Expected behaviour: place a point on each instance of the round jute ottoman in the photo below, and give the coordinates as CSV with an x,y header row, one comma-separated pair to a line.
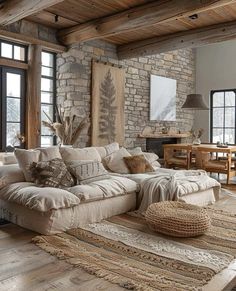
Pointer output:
x,y
177,219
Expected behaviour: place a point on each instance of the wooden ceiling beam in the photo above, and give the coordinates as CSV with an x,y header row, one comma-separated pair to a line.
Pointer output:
x,y
180,40
141,16
14,10
25,39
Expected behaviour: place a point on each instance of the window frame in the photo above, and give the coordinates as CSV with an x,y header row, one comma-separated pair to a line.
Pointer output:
x,y
3,105
212,92
13,45
54,93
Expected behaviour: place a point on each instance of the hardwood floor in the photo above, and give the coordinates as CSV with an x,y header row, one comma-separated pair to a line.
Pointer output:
x,y
23,266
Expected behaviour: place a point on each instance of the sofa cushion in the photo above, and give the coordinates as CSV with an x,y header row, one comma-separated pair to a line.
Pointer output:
x,y
50,153
138,164
116,163
8,158
108,149
103,189
37,198
75,154
25,158
84,171
10,174
53,173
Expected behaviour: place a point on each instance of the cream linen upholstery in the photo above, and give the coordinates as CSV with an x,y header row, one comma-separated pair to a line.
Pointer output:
x,y
116,163
36,198
201,198
47,154
10,174
108,149
85,170
115,186
60,220
74,154
25,158
8,158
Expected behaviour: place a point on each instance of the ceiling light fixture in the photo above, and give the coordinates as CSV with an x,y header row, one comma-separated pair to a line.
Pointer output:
x,y
195,101
193,17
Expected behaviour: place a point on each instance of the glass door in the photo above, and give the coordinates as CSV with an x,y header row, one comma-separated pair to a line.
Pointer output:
x,y
12,111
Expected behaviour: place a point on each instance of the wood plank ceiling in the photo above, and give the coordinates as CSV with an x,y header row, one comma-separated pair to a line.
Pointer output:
x,y
73,13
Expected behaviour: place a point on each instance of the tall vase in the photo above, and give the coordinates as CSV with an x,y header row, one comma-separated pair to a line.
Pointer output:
x,y
196,141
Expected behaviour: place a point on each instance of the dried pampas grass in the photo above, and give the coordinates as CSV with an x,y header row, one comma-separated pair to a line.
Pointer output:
x,y
65,127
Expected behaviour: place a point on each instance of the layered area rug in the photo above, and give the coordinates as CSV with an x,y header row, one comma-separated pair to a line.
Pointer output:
x,y
124,251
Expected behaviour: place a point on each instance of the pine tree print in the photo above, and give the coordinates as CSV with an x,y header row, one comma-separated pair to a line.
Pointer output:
x,y
108,109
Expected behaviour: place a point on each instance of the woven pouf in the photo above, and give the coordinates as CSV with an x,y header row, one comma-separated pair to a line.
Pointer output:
x,y
177,219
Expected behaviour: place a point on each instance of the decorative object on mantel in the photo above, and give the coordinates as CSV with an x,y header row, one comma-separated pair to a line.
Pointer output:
x,y
147,130
197,133
195,101
66,128
165,129
108,84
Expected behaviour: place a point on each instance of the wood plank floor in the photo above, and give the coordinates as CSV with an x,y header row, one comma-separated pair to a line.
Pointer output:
x,y
25,267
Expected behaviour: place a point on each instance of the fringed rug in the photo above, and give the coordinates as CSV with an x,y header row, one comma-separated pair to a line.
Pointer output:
x,y
124,251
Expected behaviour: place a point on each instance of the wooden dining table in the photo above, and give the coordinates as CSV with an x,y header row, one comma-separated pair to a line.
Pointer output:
x,y
222,163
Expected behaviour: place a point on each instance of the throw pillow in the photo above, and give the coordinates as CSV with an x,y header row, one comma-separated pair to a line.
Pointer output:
x,y
151,157
75,154
116,163
87,171
111,148
25,158
50,153
53,173
138,164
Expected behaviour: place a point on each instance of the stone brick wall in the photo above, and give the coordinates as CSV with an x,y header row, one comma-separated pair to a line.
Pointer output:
x,y
74,85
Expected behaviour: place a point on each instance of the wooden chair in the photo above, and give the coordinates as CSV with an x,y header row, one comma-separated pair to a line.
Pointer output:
x,y
212,163
177,156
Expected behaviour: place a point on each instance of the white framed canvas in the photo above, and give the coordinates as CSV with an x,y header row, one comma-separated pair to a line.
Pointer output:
x,y
162,98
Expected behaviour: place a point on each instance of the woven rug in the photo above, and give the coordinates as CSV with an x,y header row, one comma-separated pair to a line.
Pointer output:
x,y
124,251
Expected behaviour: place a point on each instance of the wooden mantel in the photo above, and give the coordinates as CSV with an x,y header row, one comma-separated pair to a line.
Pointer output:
x,y
165,135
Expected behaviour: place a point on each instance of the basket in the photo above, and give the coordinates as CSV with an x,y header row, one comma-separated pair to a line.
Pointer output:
x,y
177,219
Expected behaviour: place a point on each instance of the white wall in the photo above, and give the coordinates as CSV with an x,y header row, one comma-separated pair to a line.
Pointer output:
x,y
215,69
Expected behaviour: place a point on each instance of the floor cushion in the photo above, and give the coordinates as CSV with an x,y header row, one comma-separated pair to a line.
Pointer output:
x,y
177,219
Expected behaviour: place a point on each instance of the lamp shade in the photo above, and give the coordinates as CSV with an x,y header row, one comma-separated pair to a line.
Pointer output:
x,y
195,101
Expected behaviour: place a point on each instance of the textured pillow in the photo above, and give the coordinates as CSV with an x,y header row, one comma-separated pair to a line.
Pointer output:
x,y
150,157
87,171
52,173
116,163
75,154
138,164
25,158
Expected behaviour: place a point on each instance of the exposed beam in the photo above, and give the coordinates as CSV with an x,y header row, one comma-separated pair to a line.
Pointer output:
x,y
142,16
14,10
13,64
25,39
185,39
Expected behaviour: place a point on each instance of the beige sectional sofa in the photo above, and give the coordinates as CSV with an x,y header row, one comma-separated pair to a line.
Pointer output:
x,y
50,210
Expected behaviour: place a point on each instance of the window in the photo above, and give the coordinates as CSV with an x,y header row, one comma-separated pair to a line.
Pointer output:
x,y
12,107
13,51
223,111
48,96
